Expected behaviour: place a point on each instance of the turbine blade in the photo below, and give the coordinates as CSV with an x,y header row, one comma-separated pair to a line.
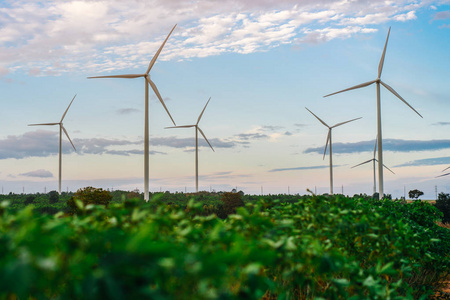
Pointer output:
x,y
128,76
353,87
152,62
204,136
399,97
445,169
362,163
326,144
155,89
317,118
442,175
375,148
43,124
380,66
182,126
342,123
68,108
203,111
388,169
65,131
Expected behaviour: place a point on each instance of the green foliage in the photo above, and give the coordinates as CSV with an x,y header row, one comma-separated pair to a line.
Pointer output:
x,y
415,194
53,197
443,204
29,199
88,196
231,201
275,247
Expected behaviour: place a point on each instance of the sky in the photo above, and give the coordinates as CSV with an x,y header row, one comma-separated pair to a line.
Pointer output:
x,y
261,62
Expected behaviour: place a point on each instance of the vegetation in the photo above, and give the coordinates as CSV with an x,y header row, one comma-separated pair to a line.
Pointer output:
x,y
443,204
88,196
415,194
274,247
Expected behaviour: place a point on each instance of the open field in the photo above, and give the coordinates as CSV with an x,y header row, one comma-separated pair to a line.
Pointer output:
x,y
277,247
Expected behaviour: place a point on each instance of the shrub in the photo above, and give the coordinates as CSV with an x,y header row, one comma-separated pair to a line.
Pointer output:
x,y
29,199
443,204
231,201
88,195
53,197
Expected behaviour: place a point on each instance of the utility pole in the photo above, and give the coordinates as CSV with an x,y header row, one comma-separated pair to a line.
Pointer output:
x,y
289,192
342,190
315,190
404,192
261,190
435,189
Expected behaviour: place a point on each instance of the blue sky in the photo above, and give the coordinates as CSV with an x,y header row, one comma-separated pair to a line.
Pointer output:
x,y
261,62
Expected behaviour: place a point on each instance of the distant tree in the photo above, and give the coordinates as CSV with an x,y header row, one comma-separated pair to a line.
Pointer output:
x,y
88,195
53,197
443,204
29,199
415,194
231,201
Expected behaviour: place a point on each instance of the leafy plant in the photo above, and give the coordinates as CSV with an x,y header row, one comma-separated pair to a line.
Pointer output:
x,y
88,196
443,204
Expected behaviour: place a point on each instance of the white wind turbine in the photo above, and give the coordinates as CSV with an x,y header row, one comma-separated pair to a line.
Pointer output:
x,y
61,129
380,138
374,168
147,82
326,144
197,129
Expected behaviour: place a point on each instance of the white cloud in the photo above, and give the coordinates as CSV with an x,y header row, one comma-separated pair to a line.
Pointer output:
x,y
38,173
406,17
49,37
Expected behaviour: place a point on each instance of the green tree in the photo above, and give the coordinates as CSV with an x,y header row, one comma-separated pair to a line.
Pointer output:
x,y
443,204
53,197
415,194
88,195
29,199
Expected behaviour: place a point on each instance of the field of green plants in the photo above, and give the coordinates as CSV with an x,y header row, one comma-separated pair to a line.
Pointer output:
x,y
248,247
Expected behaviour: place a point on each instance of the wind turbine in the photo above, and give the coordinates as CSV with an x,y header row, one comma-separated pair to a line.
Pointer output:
x,y
61,129
197,129
374,169
380,138
146,126
326,144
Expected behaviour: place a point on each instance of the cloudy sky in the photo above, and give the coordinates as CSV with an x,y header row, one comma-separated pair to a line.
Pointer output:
x,y
261,62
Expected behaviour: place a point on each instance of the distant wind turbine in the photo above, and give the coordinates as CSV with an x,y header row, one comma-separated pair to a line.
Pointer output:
x,y
197,129
61,129
146,126
326,144
374,168
380,138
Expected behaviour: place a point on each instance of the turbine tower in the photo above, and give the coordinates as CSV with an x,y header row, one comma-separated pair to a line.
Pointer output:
x,y
326,144
374,168
380,138
61,129
147,82
197,129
